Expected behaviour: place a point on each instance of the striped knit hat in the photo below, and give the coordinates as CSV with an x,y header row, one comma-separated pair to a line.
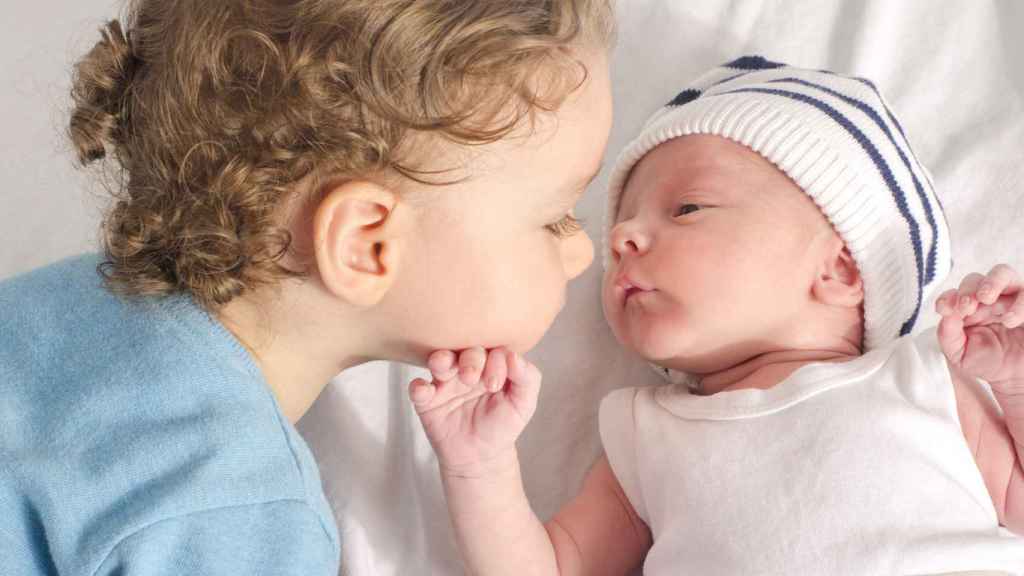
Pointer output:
x,y
837,139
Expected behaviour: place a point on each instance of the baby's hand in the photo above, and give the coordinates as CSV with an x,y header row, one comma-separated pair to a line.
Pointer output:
x,y
981,331
476,406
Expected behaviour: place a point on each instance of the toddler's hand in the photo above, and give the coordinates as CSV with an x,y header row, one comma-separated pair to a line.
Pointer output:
x,y
981,331
476,406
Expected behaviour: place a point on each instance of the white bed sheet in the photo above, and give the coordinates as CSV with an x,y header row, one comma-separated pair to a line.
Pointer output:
x,y
953,71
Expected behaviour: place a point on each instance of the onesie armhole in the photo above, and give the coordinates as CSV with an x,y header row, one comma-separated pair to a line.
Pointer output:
x,y
617,424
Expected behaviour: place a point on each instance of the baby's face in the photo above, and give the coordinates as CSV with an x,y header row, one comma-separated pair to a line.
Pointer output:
x,y
711,255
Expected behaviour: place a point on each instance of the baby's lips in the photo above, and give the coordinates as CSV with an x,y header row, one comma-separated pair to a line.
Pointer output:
x,y
627,281
628,286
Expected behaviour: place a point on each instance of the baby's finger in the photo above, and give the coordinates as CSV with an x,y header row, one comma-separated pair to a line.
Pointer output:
x,y
421,393
989,313
952,338
1014,317
1001,279
471,365
496,370
945,304
524,384
442,365
967,302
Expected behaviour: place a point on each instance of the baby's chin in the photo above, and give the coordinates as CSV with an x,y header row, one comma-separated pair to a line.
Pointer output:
x,y
674,348
652,343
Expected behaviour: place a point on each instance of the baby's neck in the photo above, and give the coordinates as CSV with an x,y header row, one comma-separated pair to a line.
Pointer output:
x,y
767,370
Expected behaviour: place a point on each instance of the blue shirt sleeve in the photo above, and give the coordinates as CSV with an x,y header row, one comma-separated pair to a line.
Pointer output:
x,y
281,538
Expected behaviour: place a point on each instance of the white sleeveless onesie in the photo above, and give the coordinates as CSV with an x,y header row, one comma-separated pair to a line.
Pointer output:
x,y
852,468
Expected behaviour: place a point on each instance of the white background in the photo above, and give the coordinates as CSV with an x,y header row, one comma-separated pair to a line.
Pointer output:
x,y
48,210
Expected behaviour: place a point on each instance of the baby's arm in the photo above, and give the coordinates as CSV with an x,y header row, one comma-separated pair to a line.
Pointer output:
x,y
982,336
473,411
599,532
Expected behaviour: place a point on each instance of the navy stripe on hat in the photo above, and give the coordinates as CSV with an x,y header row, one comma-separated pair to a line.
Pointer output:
x,y
746,63
883,167
753,63
685,97
925,203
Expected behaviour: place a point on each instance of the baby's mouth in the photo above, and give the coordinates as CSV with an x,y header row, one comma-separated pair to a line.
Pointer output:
x,y
630,288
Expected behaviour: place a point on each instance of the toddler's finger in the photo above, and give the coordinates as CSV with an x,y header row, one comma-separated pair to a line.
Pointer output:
x,y
496,370
471,365
1000,279
442,366
524,384
967,302
421,393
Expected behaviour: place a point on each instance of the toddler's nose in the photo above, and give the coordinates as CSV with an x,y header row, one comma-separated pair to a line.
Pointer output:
x,y
628,238
577,254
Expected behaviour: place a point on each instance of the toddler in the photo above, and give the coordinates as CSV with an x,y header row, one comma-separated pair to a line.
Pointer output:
x,y
294,181
772,240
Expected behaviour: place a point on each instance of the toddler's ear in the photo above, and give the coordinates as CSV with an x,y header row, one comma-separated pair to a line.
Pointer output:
x,y
357,241
838,282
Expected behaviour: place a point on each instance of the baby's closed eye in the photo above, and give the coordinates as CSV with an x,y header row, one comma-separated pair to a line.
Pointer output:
x,y
686,208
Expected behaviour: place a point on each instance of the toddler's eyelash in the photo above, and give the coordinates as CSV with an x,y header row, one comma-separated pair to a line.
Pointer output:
x,y
565,227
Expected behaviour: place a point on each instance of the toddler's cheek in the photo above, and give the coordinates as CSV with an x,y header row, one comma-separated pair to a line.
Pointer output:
x,y
533,325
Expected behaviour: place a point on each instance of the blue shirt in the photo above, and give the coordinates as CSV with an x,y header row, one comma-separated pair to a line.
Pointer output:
x,y
139,438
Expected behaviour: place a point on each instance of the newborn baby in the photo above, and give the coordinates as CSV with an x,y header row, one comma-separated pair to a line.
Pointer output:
x,y
772,242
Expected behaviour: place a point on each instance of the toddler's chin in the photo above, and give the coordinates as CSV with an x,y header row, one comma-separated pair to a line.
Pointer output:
x,y
525,340
521,340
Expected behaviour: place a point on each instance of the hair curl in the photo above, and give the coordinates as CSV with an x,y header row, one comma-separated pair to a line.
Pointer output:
x,y
214,110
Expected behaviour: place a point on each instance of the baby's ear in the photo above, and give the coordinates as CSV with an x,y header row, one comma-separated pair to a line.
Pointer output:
x,y
838,282
357,241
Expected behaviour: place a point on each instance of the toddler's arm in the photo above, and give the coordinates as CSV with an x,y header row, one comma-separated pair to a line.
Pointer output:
x,y
982,336
283,538
473,411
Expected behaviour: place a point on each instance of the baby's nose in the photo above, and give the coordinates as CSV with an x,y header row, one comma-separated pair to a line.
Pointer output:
x,y
628,238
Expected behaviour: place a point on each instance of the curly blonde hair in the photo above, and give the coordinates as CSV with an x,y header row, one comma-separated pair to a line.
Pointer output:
x,y
213,111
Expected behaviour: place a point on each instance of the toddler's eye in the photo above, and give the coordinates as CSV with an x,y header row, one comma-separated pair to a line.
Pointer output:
x,y
685,209
565,227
